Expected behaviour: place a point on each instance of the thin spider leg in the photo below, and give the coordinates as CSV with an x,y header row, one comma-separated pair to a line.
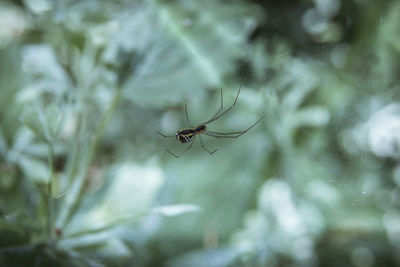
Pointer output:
x,y
163,135
233,134
217,116
223,136
177,156
172,154
220,108
187,116
203,146
219,133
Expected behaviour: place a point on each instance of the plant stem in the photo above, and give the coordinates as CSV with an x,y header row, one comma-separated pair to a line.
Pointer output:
x,y
49,189
74,195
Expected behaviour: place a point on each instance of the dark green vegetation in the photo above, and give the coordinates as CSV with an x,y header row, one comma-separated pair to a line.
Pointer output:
x,y
86,181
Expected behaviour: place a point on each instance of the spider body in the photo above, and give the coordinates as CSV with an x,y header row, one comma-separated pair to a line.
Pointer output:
x,y
188,135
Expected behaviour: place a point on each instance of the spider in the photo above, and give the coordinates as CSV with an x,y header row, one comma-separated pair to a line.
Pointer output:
x,y
188,135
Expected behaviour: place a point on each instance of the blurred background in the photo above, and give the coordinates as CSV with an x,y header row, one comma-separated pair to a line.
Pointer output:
x,y
86,180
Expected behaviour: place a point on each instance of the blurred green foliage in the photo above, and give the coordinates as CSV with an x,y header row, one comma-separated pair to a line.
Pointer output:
x,y
86,181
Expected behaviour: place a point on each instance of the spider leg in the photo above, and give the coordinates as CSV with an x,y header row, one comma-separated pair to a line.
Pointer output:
x,y
203,146
219,133
219,110
217,116
163,135
187,116
172,154
177,156
224,136
232,134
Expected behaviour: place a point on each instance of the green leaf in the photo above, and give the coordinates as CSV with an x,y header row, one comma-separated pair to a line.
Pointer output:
x,y
174,210
34,169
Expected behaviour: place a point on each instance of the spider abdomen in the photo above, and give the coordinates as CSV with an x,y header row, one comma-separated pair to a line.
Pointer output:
x,y
186,135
